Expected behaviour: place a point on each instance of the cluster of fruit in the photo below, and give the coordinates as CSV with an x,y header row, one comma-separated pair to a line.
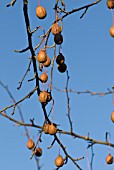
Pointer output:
x,y
110,5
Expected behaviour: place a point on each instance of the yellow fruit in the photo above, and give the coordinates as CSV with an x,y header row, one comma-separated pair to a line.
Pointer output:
x,y
41,12
59,161
109,159
112,31
52,129
44,77
30,144
42,57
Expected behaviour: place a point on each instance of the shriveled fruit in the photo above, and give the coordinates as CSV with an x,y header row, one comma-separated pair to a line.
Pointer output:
x,y
62,67
59,161
58,39
52,129
42,57
38,152
110,4
112,116
41,12
44,77
47,62
109,159
30,144
56,29
60,59
112,31
43,97
46,128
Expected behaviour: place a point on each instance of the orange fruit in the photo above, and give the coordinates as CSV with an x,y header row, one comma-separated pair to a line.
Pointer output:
x,y
109,159
46,128
44,77
41,12
43,97
56,29
47,62
30,144
112,31
112,116
42,57
59,161
110,4
52,129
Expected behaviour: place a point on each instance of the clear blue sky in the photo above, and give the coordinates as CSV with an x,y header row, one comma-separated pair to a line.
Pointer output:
x,y
89,55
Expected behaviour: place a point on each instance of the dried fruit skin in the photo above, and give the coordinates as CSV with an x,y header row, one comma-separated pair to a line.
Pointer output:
x,y
30,144
59,161
44,77
42,57
41,12
58,39
60,59
43,96
62,67
110,4
112,31
109,159
52,129
112,116
38,152
47,62
56,29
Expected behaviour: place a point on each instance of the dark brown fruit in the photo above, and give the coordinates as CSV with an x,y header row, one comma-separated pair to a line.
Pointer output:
x,y
52,129
62,67
47,62
109,159
44,77
30,144
42,57
110,4
58,39
46,128
112,31
41,12
38,152
56,29
60,59
59,161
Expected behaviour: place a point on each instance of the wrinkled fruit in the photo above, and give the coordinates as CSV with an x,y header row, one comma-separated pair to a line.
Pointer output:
x,y
56,29
46,128
110,4
30,144
44,77
42,57
41,12
59,161
52,129
47,62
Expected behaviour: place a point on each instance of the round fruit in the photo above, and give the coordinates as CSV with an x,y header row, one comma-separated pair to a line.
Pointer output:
x,y
112,116
46,128
110,4
62,67
58,39
56,29
30,144
43,97
49,97
47,62
41,12
44,77
112,31
42,57
60,59
52,129
38,152
109,159
59,161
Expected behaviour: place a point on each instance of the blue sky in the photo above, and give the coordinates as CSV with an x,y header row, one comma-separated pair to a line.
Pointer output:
x,y
89,54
